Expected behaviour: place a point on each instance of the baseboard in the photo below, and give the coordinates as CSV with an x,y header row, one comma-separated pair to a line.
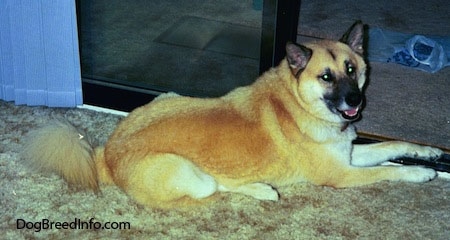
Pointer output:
x,y
102,109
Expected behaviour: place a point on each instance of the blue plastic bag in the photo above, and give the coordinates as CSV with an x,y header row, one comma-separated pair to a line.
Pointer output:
x,y
426,53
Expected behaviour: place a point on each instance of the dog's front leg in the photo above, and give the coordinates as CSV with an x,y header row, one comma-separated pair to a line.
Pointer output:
x,y
373,154
359,176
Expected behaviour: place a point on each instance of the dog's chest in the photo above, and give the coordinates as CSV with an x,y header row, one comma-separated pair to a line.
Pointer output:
x,y
337,152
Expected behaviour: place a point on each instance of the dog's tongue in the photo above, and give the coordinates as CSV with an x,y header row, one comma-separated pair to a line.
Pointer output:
x,y
351,112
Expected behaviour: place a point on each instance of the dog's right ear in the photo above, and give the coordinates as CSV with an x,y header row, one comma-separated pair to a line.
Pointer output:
x,y
298,57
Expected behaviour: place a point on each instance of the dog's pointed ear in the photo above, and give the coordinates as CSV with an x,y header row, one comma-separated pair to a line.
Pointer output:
x,y
354,37
298,57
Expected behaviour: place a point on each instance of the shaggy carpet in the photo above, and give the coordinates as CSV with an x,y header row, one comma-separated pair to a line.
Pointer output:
x,y
36,206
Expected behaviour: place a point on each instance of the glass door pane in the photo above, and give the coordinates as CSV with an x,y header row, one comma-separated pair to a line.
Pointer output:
x,y
192,47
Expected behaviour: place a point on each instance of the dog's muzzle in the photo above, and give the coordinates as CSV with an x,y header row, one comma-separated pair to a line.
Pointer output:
x,y
350,106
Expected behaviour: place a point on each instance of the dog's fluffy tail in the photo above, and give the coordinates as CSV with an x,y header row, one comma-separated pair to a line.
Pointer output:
x,y
62,149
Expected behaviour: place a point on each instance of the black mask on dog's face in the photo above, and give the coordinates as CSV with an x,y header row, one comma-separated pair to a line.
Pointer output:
x,y
345,98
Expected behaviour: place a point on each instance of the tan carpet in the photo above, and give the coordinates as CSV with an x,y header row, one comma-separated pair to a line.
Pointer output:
x,y
385,210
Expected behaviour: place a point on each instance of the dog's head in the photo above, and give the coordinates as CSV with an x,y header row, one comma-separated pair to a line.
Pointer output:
x,y
330,75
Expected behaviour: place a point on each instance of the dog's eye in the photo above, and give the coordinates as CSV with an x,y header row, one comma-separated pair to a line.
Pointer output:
x,y
350,69
326,77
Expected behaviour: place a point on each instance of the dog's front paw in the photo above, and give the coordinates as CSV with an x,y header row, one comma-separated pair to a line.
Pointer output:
x,y
417,174
424,152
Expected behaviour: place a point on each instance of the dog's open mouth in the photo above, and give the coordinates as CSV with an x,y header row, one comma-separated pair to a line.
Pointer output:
x,y
350,114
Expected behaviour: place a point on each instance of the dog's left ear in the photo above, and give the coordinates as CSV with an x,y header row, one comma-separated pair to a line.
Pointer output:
x,y
354,37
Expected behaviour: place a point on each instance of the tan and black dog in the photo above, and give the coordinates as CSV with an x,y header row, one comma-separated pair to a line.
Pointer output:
x,y
292,125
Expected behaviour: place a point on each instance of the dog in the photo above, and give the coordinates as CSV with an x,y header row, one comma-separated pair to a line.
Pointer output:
x,y
292,125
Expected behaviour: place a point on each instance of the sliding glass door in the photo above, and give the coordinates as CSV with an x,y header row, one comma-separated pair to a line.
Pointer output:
x,y
134,50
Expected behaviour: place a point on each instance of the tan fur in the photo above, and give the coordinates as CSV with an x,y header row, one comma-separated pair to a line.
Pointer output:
x,y
60,148
275,132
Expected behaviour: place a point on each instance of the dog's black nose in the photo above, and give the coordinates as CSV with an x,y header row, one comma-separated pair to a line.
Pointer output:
x,y
353,99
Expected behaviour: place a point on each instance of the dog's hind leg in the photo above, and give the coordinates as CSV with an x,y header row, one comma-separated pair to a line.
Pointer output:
x,y
376,153
164,178
259,191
